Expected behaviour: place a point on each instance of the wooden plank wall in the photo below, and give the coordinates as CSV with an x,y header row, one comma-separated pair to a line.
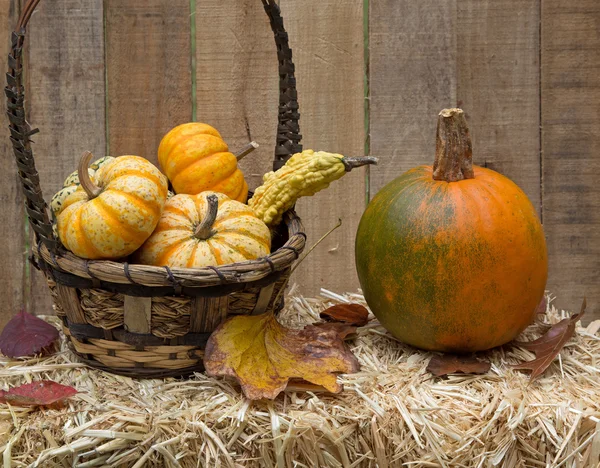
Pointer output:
x,y
114,75
12,248
66,99
570,89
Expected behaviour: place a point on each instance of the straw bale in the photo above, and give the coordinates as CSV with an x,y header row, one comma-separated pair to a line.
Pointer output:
x,y
391,413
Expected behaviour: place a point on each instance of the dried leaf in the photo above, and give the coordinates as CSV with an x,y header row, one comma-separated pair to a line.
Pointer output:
x,y
344,330
25,335
263,355
541,308
449,364
42,393
540,312
353,314
547,347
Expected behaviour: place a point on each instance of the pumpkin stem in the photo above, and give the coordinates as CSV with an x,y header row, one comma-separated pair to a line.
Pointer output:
x,y
351,163
204,230
246,150
453,150
86,183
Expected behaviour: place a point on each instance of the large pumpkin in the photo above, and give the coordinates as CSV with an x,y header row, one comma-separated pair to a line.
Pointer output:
x,y
452,257
196,159
113,215
207,229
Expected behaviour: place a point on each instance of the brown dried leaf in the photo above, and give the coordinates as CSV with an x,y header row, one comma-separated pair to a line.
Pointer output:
x,y
263,355
344,330
540,312
353,314
541,308
449,364
549,345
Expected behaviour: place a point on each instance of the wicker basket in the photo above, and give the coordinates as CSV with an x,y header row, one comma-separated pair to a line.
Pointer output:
x,y
146,321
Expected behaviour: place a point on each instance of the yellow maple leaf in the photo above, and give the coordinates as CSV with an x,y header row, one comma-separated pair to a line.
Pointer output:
x,y
263,355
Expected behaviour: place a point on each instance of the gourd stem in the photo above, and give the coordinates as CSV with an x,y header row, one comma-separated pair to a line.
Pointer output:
x,y
246,150
453,149
86,183
351,163
204,230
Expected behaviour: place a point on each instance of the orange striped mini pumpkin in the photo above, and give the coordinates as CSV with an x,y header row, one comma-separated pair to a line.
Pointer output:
x,y
113,215
207,229
196,159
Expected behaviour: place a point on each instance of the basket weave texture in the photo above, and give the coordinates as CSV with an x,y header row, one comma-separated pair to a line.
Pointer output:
x,y
147,321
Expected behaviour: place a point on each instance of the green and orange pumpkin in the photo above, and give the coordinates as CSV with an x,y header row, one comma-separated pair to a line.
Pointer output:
x,y
452,257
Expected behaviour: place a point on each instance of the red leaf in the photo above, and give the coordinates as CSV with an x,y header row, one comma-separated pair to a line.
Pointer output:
x,y
25,335
549,345
352,314
44,392
448,364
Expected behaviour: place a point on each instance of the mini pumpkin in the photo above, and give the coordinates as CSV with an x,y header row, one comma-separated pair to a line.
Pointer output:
x,y
207,229
72,182
113,215
452,257
196,159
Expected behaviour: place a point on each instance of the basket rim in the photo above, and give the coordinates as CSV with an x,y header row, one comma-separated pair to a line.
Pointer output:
x,y
160,276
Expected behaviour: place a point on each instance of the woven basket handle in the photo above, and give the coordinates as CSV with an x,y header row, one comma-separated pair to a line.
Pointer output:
x,y
288,129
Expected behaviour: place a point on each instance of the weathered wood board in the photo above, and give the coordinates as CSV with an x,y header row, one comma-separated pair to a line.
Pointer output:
x,y
236,78
570,141
412,50
327,39
148,73
12,214
66,98
498,87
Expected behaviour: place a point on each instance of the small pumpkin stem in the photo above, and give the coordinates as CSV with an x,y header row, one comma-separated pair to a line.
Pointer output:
x,y
246,150
204,230
351,163
90,188
453,150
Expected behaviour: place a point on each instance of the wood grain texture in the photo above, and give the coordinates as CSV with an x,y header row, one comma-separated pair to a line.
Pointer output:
x,y
66,97
412,78
70,303
148,73
570,142
12,248
326,37
498,87
236,78
207,313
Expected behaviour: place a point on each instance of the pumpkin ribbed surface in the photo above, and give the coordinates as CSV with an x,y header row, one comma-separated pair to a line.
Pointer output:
x,y
120,219
236,235
196,159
